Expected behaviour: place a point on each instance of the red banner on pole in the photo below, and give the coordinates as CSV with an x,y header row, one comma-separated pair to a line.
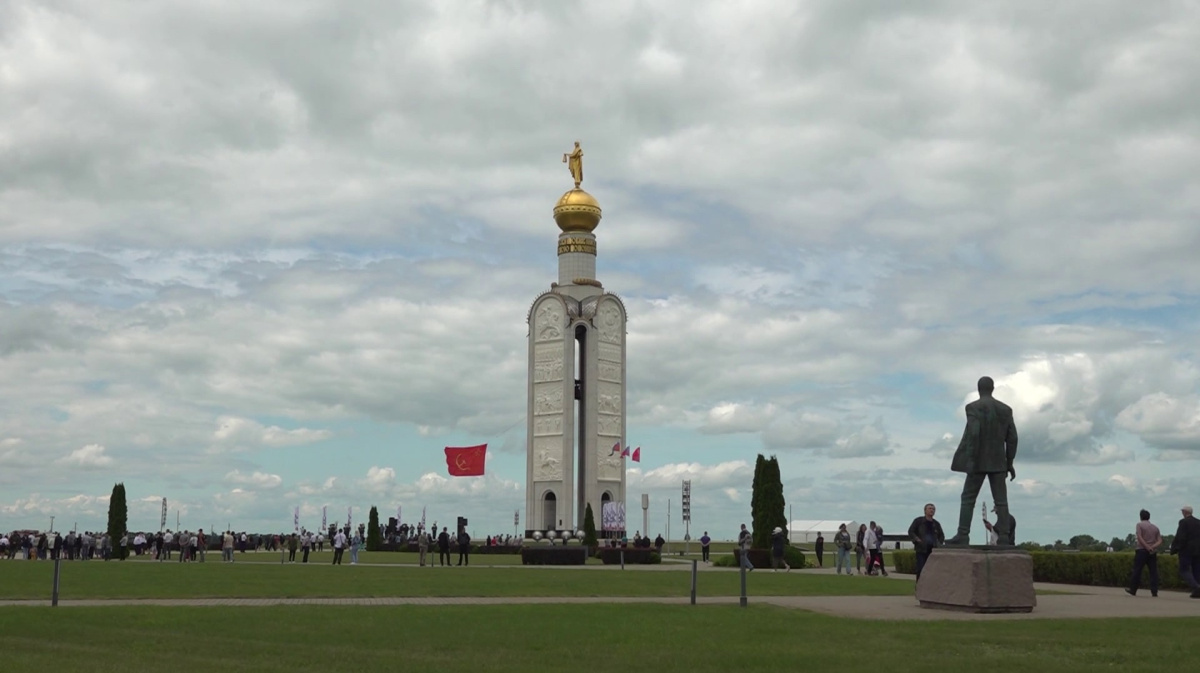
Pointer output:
x,y
637,455
466,461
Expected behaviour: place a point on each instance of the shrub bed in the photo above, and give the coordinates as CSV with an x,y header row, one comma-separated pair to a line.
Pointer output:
x,y
761,558
643,556
553,556
1099,569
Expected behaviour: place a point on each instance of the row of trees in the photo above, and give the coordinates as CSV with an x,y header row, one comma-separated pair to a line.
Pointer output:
x,y
1089,543
766,513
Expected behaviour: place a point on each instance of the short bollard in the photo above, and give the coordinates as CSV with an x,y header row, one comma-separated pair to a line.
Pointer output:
x,y
622,559
57,570
742,565
693,581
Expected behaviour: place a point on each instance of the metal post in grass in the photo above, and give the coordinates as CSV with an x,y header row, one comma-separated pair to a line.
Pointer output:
x,y
693,581
742,565
57,570
622,559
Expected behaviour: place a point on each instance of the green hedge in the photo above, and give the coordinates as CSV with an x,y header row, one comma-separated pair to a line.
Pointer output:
x,y
1099,569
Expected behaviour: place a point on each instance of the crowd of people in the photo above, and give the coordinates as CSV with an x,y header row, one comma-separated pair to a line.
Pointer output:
x,y
182,546
51,545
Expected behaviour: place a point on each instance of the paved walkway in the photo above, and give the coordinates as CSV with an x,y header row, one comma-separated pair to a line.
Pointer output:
x,y
1088,603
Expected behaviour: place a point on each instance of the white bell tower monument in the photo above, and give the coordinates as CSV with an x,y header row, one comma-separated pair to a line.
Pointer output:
x,y
576,394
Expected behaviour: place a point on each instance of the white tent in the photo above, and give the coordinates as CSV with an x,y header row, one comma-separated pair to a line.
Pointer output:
x,y
807,530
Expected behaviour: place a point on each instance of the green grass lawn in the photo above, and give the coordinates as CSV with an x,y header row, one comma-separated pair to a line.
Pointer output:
x,y
664,639
28,580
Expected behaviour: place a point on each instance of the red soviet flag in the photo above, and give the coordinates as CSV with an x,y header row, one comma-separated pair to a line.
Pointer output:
x,y
637,455
466,461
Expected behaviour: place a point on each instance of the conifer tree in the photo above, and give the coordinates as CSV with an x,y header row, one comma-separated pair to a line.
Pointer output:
x,y
589,528
374,541
767,502
756,498
118,520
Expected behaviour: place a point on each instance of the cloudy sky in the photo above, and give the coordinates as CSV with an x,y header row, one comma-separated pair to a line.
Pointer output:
x,y
263,255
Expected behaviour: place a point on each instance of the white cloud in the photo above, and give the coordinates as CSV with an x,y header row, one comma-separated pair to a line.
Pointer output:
x,y
257,480
732,417
706,476
871,440
87,456
1165,421
379,478
245,433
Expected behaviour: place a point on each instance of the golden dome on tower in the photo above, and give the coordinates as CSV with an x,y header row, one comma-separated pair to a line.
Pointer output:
x,y
577,211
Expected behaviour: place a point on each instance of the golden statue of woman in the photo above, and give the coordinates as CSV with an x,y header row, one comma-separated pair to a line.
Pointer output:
x,y
574,162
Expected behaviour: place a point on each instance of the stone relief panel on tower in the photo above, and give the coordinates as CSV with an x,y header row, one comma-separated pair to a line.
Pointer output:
x,y
549,320
547,425
547,399
609,399
609,371
608,467
547,464
609,323
609,426
547,362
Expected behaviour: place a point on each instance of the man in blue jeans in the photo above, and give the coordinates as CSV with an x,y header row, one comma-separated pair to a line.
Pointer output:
x,y
1149,539
744,540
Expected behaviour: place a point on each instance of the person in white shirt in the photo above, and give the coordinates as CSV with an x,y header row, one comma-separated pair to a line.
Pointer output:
x,y
339,546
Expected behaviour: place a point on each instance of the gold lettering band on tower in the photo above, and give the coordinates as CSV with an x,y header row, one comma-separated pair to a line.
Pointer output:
x,y
566,245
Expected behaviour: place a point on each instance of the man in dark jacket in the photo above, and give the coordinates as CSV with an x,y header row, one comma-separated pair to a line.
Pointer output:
x,y
464,548
778,543
444,547
926,534
1187,545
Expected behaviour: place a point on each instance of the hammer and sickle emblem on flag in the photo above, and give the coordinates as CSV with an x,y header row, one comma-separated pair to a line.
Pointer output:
x,y
466,461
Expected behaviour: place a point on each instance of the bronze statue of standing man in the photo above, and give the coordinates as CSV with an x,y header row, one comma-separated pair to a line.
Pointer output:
x,y
987,449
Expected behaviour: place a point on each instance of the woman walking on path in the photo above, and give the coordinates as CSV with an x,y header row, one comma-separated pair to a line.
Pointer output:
x,y
841,541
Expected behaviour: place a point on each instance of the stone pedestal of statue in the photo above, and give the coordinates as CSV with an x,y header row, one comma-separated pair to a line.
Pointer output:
x,y
978,579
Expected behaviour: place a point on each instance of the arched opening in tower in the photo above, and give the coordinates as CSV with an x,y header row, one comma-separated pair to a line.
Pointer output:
x,y
550,511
